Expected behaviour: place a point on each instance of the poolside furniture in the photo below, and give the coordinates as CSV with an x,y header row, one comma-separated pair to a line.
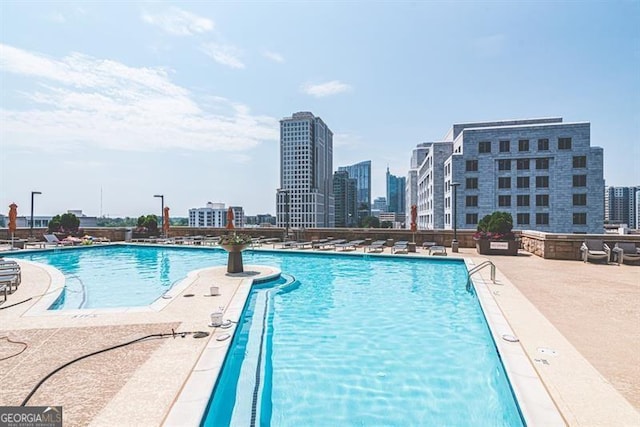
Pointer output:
x,y
377,246
4,289
52,238
427,245
595,249
302,245
331,244
401,247
626,251
353,244
12,280
286,245
438,250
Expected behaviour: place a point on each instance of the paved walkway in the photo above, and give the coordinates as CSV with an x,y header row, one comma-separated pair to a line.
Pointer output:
x,y
579,323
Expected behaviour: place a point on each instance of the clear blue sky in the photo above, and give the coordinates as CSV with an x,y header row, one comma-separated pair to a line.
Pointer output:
x,y
183,99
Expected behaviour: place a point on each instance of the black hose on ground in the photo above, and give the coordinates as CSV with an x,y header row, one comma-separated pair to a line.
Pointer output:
x,y
58,369
15,303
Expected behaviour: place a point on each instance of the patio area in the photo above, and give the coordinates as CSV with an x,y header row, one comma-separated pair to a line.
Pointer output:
x,y
578,323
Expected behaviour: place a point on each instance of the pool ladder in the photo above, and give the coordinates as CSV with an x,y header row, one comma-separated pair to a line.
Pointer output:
x,y
478,268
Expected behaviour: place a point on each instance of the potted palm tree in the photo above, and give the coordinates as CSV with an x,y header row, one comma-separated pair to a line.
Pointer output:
x,y
494,235
234,244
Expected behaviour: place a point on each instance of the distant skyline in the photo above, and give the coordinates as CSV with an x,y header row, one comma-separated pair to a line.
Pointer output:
x,y
103,105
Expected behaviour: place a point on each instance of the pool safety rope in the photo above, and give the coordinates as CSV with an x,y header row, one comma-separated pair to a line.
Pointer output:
x,y
174,334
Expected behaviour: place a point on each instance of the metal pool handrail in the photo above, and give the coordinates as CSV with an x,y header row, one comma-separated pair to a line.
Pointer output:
x,y
478,268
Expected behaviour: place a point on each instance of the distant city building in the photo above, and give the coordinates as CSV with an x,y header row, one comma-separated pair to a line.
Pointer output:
x,y
621,205
638,210
361,172
396,219
344,193
42,221
260,220
305,197
425,188
380,204
215,215
542,171
396,195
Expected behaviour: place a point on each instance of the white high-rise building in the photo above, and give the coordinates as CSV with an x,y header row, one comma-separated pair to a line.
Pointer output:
x,y
544,172
305,197
215,215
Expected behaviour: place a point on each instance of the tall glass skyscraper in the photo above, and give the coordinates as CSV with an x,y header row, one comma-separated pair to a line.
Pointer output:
x,y
361,172
396,193
305,197
344,193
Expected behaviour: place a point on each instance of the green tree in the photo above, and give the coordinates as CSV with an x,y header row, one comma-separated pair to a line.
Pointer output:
x,y
386,224
65,223
150,222
370,222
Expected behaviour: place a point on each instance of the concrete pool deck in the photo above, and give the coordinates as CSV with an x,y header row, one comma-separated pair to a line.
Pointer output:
x,y
578,323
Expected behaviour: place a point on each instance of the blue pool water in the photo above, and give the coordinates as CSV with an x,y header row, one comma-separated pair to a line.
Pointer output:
x,y
351,341
363,342
122,276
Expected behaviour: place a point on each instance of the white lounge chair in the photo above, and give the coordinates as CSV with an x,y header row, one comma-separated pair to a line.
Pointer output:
x,y
593,249
626,251
52,238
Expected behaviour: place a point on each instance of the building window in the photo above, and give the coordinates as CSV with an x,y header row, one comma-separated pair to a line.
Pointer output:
x,y
543,144
504,201
579,162
504,165
504,182
542,218
472,166
472,183
542,163
564,143
523,145
542,200
472,201
505,146
522,200
579,180
523,219
484,147
579,218
522,164
542,181
523,182
579,200
472,218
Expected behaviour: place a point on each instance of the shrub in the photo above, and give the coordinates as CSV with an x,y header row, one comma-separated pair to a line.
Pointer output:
x,y
496,226
234,239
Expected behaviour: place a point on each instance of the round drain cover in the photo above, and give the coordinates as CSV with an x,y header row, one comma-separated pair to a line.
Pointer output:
x,y
510,338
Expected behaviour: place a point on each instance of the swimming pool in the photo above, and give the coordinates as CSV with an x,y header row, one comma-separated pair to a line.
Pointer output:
x,y
357,341
354,340
121,275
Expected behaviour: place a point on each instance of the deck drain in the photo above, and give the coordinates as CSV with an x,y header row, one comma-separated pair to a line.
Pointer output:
x,y
222,337
510,338
548,351
200,334
188,295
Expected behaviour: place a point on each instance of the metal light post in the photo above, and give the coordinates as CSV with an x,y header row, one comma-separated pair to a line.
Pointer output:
x,y
454,242
33,193
286,208
161,210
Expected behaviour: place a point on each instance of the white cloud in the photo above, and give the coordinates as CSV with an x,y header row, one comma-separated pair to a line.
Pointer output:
x,y
179,22
273,56
83,101
223,54
333,87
